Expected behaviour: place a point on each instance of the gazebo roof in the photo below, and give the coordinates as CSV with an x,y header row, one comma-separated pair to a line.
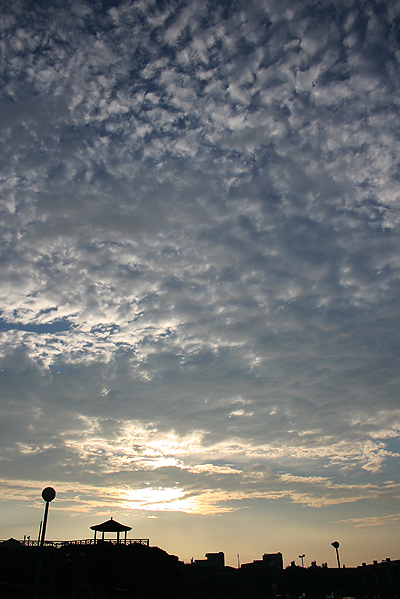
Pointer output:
x,y
111,526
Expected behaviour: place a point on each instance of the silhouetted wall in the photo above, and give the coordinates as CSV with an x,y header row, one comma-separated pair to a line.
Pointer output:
x,y
107,571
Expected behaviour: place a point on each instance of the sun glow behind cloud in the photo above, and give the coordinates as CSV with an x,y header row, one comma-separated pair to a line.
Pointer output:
x,y
161,499
230,471
147,447
206,502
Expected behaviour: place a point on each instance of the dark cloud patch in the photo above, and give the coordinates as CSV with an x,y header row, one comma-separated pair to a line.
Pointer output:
x,y
52,328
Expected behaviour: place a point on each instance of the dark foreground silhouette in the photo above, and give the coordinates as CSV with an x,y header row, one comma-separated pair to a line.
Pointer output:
x,y
107,571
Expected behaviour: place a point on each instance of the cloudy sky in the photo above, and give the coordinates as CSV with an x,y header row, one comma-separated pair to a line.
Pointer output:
x,y
199,291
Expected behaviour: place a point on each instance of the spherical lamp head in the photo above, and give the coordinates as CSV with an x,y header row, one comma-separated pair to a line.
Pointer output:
x,y
48,494
335,544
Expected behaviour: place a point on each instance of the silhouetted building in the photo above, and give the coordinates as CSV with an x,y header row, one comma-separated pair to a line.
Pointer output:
x,y
273,560
213,560
268,561
384,573
216,560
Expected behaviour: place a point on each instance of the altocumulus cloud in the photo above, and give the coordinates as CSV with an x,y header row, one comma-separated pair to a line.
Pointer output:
x,y
200,252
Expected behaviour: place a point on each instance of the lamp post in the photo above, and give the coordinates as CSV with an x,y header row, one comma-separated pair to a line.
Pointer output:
x,y
7,578
302,556
335,544
273,585
48,495
72,557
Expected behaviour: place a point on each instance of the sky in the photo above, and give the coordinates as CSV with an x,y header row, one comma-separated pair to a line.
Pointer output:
x,y
199,291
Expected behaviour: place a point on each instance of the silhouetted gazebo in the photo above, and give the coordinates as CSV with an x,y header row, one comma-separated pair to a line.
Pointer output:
x,y
110,526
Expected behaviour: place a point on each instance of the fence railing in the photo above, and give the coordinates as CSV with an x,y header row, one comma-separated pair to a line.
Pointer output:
x,y
35,543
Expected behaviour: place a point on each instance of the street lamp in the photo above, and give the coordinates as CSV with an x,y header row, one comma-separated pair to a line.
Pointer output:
x,y
72,557
48,495
302,556
335,544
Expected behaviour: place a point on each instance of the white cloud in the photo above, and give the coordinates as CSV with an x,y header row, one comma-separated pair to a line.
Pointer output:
x,y
371,521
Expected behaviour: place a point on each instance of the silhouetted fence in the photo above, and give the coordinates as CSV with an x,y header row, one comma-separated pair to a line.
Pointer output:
x,y
36,543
